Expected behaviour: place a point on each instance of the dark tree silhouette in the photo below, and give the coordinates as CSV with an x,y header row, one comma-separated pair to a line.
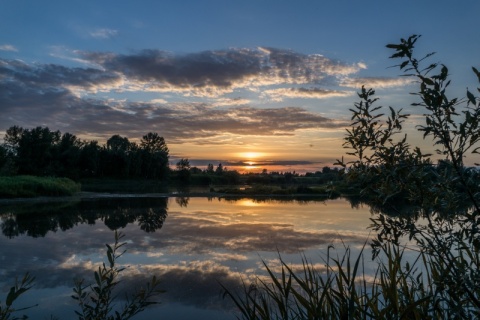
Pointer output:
x,y
43,152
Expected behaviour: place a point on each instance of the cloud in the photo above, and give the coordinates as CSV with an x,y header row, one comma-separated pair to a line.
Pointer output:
x,y
103,33
208,236
51,77
306,93
61,97
210,73
375,82
204,74
159,101
28,102
8,47
362,65
222,102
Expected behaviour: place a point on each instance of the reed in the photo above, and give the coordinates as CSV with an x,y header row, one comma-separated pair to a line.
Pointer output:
x,y
398,289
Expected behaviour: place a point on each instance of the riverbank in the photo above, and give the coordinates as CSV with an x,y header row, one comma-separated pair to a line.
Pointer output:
x,y
30,186
24,187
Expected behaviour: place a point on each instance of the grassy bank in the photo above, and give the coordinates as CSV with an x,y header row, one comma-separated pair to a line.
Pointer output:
x,y
29,186
124,185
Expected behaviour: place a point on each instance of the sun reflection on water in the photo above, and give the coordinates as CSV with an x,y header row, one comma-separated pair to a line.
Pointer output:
x,y
249,203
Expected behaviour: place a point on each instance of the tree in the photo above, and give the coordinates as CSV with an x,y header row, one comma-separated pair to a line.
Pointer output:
x,y
231,177
68,156
219,170
183,170
12,138
89,162
183,165
118,144
155,156
153,143
195,170
116,157
3,157
35,150
326,170
390,173
210,169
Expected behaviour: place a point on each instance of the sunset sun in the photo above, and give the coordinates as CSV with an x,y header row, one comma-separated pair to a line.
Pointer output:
x,y
251,155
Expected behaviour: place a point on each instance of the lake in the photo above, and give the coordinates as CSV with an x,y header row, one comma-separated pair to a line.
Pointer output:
x,y
192,244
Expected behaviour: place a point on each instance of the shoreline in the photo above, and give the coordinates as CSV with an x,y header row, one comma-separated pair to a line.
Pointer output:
x,y
99,195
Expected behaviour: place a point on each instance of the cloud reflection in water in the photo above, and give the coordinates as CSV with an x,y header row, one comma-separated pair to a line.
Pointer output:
x,y
193,249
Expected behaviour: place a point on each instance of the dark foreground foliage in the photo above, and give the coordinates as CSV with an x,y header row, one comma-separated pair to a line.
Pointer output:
x,y
342,288
436,213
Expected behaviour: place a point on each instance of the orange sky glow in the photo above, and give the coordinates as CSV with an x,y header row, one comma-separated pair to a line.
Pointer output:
x,y
217,81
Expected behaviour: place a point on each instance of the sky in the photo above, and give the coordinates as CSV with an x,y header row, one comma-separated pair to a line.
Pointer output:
x,y
249,84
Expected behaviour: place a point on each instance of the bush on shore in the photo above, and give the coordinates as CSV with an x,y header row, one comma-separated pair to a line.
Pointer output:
x,y
30,186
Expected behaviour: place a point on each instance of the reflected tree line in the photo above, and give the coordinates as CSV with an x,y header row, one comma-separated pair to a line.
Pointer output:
x,y
36,220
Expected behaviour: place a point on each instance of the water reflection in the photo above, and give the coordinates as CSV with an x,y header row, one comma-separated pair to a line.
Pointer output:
x,y
203,242
182,201
37,219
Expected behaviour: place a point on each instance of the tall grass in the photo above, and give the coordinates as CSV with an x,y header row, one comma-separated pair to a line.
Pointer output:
x,y
398,289
30,186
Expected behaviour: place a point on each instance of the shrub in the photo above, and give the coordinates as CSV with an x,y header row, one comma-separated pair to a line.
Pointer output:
x,y
389,172
30,186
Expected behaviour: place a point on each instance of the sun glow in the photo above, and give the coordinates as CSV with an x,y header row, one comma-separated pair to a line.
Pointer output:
x,y
250,155
250,168
249,203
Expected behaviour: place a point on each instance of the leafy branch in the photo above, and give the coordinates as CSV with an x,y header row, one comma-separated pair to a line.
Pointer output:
x,y
96,301
7,311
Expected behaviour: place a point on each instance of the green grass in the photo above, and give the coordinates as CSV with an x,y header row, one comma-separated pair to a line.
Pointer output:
x,y
29,186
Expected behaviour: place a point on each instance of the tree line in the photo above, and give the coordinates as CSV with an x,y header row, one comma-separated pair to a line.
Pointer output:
x,y
42,152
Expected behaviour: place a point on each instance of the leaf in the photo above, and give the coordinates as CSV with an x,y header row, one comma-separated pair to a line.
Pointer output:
x,y
393,46
471,98
97,278
476,72
444,73
10,297
110,259
427,81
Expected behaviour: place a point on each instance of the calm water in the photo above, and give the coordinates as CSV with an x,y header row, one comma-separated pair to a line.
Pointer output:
x,y
192,244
